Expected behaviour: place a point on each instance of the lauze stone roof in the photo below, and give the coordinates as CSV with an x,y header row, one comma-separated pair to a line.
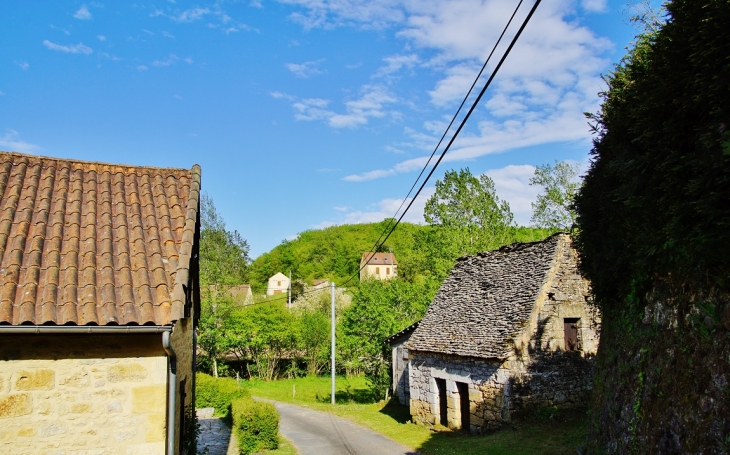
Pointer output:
x,y
94,244
486,300
371,258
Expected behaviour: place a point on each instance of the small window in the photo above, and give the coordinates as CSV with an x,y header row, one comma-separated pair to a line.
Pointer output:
x,y
278,283
570,327
387,270
377,270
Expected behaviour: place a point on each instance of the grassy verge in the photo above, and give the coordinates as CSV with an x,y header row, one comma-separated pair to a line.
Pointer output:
x,y
547,433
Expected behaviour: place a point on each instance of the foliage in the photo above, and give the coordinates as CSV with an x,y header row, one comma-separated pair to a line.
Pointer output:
x,y
263,333
217,393
314,339
223,254
380,309
256,425
654,201
468,212
553,208
216,309
654,235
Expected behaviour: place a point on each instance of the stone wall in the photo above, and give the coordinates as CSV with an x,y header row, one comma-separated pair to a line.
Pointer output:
x,y
82,394
182,343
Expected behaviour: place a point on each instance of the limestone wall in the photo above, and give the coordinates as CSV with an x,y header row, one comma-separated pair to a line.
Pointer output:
x,y
182,343
486,381
90,394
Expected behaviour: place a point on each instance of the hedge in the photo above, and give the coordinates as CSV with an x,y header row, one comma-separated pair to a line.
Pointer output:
x,y
217,393
256,425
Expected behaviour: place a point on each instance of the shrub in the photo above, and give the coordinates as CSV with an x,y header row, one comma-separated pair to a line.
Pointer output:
x,y
256,425
217,393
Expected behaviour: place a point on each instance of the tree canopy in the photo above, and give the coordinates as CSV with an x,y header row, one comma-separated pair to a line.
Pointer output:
x,y
554,208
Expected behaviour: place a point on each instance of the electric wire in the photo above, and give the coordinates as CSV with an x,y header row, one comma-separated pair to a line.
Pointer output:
x,y
379,243
453,119
461,125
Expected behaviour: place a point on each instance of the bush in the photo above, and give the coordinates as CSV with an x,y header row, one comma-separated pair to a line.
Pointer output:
x,y
256,425
217,393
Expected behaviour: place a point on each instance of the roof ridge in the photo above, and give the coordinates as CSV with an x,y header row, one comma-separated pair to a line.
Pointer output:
x,y
98,163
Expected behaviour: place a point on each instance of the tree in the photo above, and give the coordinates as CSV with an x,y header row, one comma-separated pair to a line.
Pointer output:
x,y
223,262
554,209
469,212
223,254
379,309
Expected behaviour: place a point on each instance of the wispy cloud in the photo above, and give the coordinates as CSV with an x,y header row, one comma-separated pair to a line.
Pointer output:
x,y
11,141
306,69
190,15
385,208
372,103
101,37
83,13
142,68
549,80
167,34
171,60
70,49
23,65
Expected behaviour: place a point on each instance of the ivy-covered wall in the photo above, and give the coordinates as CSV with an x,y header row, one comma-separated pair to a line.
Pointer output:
x,y
654,238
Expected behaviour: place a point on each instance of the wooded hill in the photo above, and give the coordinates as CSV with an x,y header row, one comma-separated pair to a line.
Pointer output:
x,y
334,253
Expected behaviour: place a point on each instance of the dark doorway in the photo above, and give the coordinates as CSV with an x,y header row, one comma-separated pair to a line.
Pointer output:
x,y
463,389
443,409
570,326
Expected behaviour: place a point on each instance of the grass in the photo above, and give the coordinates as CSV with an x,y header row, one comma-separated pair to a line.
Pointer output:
x,y
549,433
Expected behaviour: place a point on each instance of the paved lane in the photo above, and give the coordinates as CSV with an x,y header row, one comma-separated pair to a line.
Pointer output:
x,y
319,433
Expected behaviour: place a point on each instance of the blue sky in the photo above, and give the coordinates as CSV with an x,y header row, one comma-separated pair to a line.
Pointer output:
x,y
304,113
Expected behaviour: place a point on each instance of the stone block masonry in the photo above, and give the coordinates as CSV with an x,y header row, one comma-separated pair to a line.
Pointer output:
x,y
86,394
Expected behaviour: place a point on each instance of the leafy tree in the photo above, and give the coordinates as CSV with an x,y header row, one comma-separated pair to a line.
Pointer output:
x,y
263,333
554,209
379,309
471,216
223,254
223,261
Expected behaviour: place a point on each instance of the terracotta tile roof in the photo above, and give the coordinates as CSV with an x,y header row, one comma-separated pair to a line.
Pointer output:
x,y
86,243
487,298
378,259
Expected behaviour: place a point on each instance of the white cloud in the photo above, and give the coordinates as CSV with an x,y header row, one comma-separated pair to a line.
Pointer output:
x,y
101,37
371,104
342,208
306,69
167,34
255,4
190,15
385,208
83,13
512,184
11,141
142,68
171,60
594,6
550,78
394,63
23,65
70,49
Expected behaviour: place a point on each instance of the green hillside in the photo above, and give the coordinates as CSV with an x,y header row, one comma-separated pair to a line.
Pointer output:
x,y
334,253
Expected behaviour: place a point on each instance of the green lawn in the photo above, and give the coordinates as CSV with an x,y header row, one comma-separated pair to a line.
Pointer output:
x,y
559,434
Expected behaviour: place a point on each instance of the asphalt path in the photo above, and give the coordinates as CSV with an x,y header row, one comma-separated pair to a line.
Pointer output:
x,y
320,433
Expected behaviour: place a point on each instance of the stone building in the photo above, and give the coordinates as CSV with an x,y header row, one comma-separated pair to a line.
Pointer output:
x,y
381,266
508,331
399,361
98,304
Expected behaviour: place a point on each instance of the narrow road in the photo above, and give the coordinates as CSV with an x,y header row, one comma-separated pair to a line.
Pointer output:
x,y
319,433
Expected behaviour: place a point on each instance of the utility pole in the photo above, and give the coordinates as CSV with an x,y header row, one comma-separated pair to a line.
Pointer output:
x,y
333,341
288,305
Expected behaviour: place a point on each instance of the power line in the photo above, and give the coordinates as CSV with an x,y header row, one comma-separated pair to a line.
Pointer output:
x,y
461,125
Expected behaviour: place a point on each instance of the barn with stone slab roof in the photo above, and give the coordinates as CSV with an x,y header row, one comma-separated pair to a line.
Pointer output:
x,y
509,330
98,303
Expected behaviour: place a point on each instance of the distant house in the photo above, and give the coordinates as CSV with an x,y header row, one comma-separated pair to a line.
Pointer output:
x,y
320,284
278,284
381,266
509,330
99,300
